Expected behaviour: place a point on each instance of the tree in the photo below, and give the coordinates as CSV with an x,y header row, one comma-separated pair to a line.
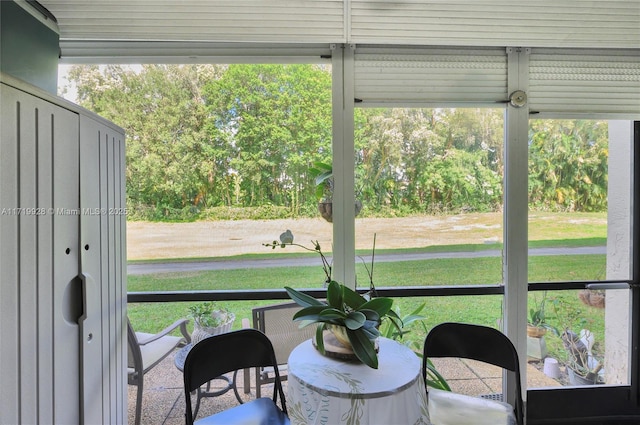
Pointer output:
x,y
201,136
430,160
568,165
161,108
271,122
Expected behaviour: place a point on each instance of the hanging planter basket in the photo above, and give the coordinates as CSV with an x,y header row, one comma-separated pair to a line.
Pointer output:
x,y
326,209
592,298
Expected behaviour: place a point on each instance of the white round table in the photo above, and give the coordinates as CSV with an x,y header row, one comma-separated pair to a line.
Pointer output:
x,y
324,390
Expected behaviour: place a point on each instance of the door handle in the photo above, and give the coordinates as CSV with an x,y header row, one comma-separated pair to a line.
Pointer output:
x,y
88,288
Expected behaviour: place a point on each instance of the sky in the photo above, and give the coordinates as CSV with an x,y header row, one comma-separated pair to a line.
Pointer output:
x,y
72,93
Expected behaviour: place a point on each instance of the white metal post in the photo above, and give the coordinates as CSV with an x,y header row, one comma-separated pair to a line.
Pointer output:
x,y
619,252
515,212
343,165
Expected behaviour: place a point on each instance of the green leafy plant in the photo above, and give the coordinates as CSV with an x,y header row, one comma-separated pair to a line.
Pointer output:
x,y
209,315
323,175
346,308
537,313
359,316
398,329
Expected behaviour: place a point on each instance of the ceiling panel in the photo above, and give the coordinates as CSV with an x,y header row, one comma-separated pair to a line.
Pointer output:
x,y
481,23
192,20
517,23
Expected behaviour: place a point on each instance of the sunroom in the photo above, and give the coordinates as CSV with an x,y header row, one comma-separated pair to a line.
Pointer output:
x,y
530,65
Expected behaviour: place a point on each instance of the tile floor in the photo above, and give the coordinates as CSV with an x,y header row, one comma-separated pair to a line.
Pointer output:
x,y
163,397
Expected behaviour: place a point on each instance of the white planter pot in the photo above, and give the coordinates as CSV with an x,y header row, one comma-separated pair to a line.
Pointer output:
x,y
201,332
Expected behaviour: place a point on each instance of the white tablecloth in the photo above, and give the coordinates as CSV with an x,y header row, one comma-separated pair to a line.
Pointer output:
x,y
326,391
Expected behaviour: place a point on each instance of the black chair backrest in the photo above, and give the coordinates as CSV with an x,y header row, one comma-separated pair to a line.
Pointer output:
x,y
228,352
475,342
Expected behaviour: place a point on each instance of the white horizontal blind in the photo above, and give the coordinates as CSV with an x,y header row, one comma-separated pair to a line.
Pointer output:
x,y
197,20
430,76
100,52
579,81
543,23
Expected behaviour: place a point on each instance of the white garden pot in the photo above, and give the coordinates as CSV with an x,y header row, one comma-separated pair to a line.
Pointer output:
x,y
201,332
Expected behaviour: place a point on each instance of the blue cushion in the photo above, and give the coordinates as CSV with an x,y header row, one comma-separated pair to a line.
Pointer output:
x,y
261,411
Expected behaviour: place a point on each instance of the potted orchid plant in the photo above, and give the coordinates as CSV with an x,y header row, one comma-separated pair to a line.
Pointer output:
x,y
354,319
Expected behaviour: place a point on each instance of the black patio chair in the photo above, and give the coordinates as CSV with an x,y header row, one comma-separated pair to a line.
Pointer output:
x,y
229,352
482,343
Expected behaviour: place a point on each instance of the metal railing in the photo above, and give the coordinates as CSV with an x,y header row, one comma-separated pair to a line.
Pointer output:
x,y
281,294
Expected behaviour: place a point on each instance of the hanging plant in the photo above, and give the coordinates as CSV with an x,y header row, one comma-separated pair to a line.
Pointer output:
x,y
593,298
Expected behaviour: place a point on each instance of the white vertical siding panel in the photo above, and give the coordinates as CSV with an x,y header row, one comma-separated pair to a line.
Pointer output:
x,y
578,81
430,76
110,264
9,279
45,269
66,257
116,281
52,123
121,276
50,372
110,286
108,369
544,23
104,380
110,192
37,303
28,301
92,350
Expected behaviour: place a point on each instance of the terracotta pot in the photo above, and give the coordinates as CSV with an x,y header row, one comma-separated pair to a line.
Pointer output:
x,y
536,331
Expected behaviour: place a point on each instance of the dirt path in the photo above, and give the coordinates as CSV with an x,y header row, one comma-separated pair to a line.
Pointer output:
x,y
223,238
220,238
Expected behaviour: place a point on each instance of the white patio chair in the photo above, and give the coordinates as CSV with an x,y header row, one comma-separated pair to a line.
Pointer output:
x,y
147,350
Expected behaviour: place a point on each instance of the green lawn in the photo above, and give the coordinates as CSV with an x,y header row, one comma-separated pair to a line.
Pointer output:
x,y
485,310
